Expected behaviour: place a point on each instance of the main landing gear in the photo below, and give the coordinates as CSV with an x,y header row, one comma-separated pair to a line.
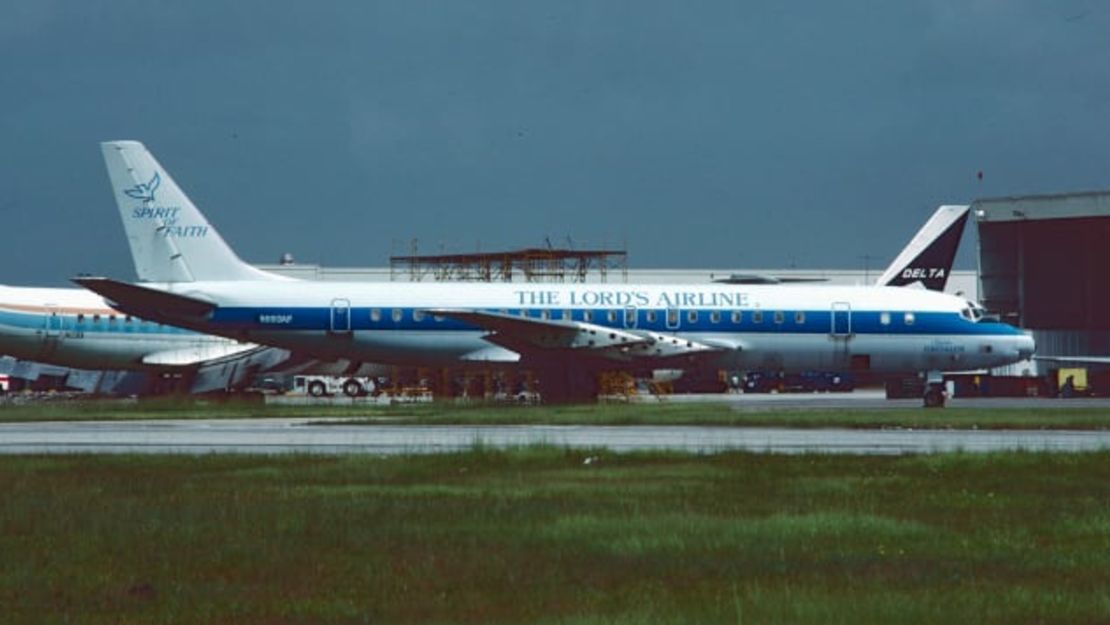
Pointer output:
x,y
935,392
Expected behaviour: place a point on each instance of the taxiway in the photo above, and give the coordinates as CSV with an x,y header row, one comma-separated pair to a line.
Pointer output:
x,y
268,436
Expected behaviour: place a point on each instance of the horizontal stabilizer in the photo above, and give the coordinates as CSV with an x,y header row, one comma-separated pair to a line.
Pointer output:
x,y
144,301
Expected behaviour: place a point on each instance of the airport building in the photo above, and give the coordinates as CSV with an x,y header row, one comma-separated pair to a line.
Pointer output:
x,y
1041,260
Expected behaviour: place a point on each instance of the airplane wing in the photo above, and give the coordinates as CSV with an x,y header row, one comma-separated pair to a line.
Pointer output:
x,y
528,335
1076,360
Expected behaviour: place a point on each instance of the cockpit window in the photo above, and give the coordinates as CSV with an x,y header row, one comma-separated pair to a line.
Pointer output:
x,y
974,312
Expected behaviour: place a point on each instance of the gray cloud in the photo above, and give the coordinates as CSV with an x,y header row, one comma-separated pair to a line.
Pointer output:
x,y
704,134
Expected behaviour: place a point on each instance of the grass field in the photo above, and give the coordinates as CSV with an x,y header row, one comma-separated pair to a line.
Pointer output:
x,y
541,535
1067,416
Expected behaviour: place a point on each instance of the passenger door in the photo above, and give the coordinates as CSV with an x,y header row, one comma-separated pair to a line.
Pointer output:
x,y
841,320
51,332
840,331
340,316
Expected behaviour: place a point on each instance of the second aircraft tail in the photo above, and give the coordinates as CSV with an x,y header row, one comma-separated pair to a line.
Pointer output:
x,y
928,258
171,241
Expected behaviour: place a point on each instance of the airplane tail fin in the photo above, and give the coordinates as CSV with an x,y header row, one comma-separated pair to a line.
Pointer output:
x,y
171,241
928,258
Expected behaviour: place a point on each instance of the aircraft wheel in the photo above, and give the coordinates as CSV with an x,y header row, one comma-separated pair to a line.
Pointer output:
x,y
351,388
934,396
316,388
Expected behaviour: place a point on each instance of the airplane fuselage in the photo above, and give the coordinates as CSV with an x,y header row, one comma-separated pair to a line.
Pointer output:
x,y
790,328
193,279
74,328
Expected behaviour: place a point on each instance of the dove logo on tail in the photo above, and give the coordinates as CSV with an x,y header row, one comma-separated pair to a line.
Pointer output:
x,y
145,192
171,241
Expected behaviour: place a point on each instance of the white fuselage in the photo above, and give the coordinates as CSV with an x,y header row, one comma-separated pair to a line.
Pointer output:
x,y
792,328
74,328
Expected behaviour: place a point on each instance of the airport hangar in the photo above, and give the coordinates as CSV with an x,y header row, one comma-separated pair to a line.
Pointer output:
x,y
1041,264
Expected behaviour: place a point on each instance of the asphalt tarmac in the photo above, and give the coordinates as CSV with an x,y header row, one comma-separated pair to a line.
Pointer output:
x,y
272,436
870,399
865,399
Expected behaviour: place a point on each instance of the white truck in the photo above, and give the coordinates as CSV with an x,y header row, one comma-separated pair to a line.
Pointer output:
x,y
328,385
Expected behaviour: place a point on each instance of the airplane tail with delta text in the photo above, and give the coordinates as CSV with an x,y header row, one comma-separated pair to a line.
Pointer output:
x,y
928,257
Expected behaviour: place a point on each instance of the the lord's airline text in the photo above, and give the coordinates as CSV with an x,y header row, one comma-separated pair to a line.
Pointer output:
x,y
614,298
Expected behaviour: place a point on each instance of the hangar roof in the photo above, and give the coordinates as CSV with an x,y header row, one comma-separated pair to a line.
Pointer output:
x,y
1049,206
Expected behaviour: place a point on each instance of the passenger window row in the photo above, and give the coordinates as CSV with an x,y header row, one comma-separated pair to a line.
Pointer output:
x,y
611,316
113,320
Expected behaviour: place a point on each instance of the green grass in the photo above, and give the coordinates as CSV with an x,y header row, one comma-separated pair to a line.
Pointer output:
x,y
1067,416
536,535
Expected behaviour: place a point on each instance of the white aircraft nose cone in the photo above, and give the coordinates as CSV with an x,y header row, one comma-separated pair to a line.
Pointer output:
x,y
1026,346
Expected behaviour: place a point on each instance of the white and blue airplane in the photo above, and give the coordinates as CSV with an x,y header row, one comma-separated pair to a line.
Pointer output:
x,y
113,352
73,328
565,333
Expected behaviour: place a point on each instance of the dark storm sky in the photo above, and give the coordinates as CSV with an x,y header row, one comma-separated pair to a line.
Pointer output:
x,y
702,134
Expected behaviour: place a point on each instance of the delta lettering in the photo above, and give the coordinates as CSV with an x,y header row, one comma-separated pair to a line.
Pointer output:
x,y
919,273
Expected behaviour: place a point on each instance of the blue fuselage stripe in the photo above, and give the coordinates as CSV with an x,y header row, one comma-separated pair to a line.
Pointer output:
x,y
87,324
689,320
415,319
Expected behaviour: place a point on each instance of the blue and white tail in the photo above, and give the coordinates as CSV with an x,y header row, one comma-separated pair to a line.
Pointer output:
x,y
170,239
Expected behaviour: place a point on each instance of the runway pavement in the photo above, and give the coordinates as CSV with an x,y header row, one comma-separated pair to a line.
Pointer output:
x,y
300,435
862,399
871,399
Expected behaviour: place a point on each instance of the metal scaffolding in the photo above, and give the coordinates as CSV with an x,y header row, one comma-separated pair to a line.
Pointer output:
x,y
532,264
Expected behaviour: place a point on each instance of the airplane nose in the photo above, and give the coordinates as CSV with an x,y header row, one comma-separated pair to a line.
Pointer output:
x,y
1026,347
